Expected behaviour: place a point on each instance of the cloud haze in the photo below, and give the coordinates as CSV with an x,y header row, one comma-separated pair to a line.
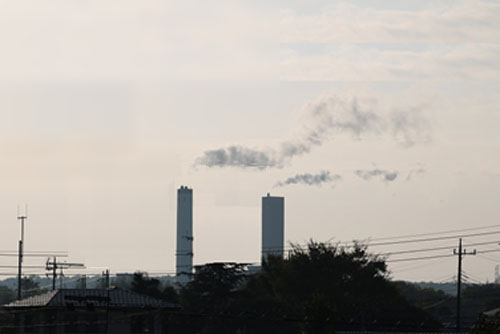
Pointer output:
x,y
367,175
440,40
441,62
322,120
310,179
460,21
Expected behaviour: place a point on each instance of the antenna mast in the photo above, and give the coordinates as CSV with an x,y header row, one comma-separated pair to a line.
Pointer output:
x,y
22,218
52,266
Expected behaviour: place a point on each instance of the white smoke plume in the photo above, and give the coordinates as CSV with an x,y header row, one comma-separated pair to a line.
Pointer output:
x,y
239,156
322,120
387,176
414,172
310,179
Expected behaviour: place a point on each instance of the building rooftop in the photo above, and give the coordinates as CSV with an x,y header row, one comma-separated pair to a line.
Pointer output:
x,y
112,297
492,313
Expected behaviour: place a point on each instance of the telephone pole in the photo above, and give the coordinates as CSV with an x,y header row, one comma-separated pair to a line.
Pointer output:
x,y
22,218
106,278
461,253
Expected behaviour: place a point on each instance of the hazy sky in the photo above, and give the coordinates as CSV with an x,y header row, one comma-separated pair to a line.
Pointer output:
x,y
373,119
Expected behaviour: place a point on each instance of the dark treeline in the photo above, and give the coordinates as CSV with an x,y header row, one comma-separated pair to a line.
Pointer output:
x,y
476,298
30,288
320,289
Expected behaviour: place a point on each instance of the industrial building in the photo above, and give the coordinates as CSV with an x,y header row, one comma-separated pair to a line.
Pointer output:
x,y
184,254
273,225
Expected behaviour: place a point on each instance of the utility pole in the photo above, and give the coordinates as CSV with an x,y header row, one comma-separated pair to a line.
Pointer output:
x,y
106,275
22,218
52,266
461,253
84,282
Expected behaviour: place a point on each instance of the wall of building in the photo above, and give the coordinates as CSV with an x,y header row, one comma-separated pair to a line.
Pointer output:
x,y
65,321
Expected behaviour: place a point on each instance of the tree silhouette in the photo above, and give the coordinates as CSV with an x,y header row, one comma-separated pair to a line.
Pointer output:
x,y
6,295
143,284
31,287
319,289
327,287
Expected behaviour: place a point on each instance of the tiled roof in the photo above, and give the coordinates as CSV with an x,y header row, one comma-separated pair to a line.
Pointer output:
x,y
492,313
116,297
34,301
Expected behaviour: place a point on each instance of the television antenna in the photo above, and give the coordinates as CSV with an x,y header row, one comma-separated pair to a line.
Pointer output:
x,y
21,217
52,266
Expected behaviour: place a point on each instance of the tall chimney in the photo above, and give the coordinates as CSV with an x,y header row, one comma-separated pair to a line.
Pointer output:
x,y
273,225
184,254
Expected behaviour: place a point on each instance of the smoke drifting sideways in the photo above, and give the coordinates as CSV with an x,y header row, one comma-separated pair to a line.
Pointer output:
x,y
369,174
414,172
323,119
310,179
238,156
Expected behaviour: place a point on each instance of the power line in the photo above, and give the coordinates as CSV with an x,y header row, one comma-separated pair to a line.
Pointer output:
x,y
419,258
34,251
437,303
29,266
410,251
436,233
472,277
488,258
438,256
489,251
448,279
433,239
33,255
418,266
434,249
368,244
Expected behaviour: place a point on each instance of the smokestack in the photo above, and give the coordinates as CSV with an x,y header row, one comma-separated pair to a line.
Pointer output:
x,y
273,225
184,255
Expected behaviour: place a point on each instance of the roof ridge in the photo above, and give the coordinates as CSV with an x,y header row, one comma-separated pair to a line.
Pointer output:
x,y
28,300
117,296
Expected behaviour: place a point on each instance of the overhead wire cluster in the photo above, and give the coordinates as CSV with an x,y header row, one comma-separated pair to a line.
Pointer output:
x,y
399,255
422,254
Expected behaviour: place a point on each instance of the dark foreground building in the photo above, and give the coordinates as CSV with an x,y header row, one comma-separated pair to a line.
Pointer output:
x,y
112,310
